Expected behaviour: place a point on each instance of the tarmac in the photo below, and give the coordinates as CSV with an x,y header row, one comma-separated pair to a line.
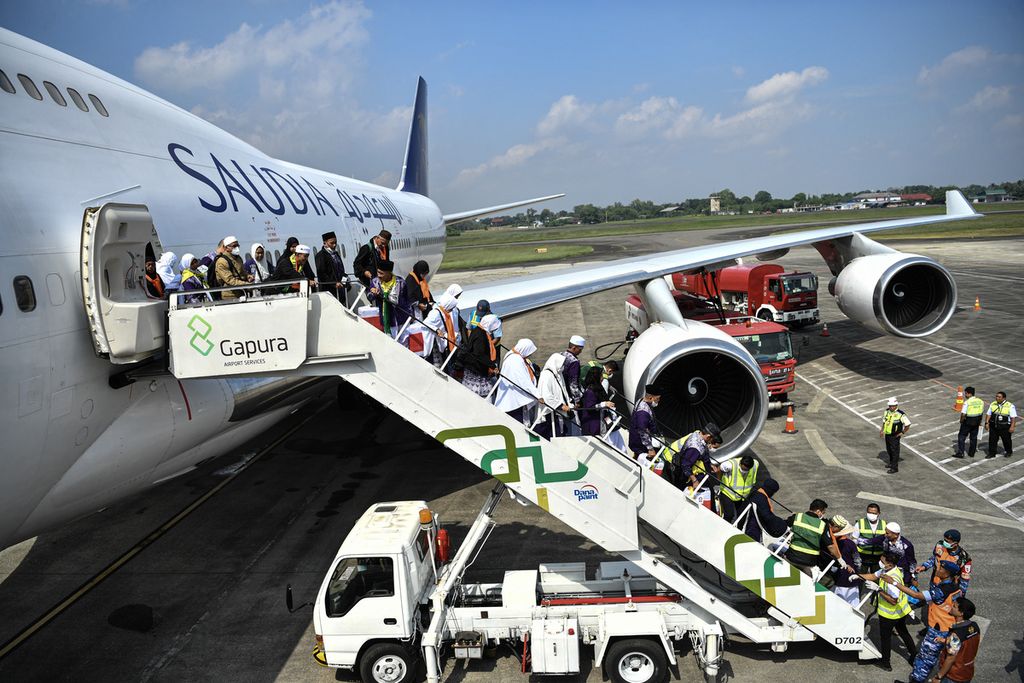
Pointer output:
x,y
200,595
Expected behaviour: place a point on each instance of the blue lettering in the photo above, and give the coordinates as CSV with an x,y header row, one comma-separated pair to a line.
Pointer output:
x,y
271,173
298,187
350,206
172,150
320,198
279,211
233,187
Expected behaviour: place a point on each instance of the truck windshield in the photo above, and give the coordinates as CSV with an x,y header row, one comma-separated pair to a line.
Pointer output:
x,y
356,578
800,284
766,348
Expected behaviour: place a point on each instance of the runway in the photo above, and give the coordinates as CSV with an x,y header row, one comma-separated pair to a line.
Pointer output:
x,y
205,600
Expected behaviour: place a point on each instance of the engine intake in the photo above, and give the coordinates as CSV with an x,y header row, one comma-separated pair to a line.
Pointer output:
x,y
901,294
706,376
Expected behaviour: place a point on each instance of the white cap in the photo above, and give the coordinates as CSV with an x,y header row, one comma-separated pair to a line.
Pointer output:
x,y
892,401
230,239
577,340
893,527
302,249
725,466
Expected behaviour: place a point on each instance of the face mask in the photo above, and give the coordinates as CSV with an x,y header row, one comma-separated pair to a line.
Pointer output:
x,y
654,404
236,251
947,544
872,517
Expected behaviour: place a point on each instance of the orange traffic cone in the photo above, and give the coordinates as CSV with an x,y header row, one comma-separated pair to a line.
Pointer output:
x,y
790,423
959,403
824,331
977,303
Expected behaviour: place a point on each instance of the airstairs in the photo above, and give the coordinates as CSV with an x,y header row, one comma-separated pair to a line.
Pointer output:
x,y
583,481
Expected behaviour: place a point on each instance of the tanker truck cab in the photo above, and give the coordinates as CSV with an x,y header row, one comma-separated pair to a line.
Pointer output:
x,y
366,614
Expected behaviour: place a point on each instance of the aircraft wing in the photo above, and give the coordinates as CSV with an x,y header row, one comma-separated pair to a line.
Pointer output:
x,y
487,211
519,295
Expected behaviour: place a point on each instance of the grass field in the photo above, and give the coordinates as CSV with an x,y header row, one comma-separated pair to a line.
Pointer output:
x,y
990,226
482,257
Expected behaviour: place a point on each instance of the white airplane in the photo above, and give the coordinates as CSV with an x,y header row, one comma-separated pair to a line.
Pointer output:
x,y
99,173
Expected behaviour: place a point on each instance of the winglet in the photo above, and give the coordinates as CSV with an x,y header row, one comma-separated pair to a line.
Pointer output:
x,y
957,204
414,172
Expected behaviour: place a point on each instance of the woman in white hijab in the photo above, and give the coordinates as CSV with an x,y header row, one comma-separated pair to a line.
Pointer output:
x,y
454,291
165,269
256,264
555,406
481,357
517,387
442,333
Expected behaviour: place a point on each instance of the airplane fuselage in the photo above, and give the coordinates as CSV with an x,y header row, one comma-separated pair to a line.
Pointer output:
x,y
73,443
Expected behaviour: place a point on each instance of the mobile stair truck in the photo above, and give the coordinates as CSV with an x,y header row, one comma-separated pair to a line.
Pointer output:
x,y
388,599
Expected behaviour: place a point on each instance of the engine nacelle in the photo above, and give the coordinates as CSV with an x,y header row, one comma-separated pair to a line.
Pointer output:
x,y
901,294
706,376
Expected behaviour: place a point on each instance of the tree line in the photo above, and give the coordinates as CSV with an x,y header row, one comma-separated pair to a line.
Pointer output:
x,y
761,202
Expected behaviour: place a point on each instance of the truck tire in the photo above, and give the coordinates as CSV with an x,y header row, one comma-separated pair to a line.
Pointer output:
x,y
766,315
636,660
387,663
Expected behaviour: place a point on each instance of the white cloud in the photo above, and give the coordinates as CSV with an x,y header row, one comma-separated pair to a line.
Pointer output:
x,y
989,97
316,39
517,155
664,115
786,84
1012,121
759,124
967,58
567,111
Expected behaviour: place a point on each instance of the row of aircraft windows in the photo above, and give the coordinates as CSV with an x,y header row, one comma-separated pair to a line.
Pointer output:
x,y
55,93
24,294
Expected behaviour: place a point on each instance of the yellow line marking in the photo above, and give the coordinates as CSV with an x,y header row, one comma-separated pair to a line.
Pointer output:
x,y
98,578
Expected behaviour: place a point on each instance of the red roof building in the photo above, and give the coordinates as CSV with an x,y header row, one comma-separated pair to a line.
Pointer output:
x,y
918,197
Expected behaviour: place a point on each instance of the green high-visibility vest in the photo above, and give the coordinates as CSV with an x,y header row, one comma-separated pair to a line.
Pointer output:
x,y
892,423
739,485
975,407
676,447
865,531
888,610
807,531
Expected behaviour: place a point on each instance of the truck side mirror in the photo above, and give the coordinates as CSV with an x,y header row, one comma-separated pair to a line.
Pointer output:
x,y
288,597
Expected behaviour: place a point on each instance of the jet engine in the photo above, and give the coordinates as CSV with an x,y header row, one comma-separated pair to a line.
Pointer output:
x,y
901,294
706,376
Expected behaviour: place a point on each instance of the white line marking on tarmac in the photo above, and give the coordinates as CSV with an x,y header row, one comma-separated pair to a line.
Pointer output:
x,y
816,402
820,449
1005,486
915,451
980,461
981,360
995,472
1014,501
950,512
1001,278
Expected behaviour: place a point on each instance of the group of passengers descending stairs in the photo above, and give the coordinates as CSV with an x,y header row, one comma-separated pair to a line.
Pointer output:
x,y
583,481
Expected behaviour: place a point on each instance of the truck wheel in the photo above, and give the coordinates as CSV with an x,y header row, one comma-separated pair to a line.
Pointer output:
x,y
386,663
765,314
635,661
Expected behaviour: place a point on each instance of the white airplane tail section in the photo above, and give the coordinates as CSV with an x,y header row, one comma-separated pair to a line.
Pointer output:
x,y
957,204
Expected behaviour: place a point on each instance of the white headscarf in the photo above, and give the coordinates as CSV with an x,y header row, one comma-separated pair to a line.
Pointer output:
x,y
516,388
186,261
490,323
434,321
453,291
165,269
262,270
551,384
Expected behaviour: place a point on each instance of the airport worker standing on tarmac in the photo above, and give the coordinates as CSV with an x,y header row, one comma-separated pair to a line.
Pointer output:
x,y
956,664
1000,421
895,425
940,598
970,419
642,425
868,527
738,482
949,549
893,609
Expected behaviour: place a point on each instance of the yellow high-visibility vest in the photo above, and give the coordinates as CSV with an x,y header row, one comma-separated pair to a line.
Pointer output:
x,y
891,420
975,407
901,608
739,485
865,531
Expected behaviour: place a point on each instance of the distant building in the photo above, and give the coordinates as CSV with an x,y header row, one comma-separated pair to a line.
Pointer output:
x,y
878,198
716,204
993,194
917,198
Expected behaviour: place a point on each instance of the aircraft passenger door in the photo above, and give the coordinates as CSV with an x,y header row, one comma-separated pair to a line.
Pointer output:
x,y
127,324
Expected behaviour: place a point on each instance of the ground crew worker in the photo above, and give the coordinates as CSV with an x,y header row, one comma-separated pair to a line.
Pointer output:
x,y
970,420
895,542
869,526
949,549
893,609
1000,421
737,484
895,425
683,454
809,538
940,598
957,661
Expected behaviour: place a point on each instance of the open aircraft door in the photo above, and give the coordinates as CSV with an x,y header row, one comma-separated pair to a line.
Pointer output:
x,y
126,324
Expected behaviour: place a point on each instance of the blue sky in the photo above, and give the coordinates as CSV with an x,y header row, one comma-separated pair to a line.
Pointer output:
x,y
605,101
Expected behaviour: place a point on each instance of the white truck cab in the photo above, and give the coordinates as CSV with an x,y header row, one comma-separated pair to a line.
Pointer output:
x,y
366,612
